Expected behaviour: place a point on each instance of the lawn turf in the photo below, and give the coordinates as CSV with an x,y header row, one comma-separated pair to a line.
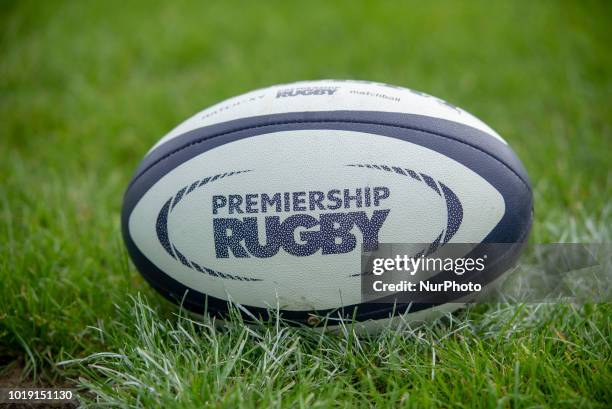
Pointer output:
x,y
86,88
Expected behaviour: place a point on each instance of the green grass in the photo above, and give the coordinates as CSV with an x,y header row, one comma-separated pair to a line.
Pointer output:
x,y
86,88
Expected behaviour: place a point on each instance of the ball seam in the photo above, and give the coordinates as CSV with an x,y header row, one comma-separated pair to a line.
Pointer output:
x,y
204,139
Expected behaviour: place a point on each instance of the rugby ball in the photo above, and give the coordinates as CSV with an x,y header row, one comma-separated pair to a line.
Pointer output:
x,y
268,199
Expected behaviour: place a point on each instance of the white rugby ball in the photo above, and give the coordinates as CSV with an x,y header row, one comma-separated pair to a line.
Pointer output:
x,y
268,197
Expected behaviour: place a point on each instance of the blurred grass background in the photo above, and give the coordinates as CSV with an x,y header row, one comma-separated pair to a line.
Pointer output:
x,y
86,88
